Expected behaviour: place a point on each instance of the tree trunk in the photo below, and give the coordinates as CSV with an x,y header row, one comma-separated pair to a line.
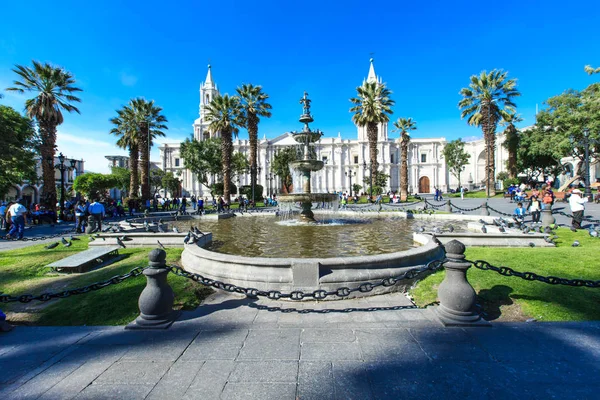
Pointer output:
x,y
253,136
489,128
512,144
404,167
227,149
492,164
48,135
372,136
134,179
145,160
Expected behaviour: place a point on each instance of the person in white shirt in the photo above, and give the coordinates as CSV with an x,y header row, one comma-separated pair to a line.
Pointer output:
x,y
96,211
576,202
17,214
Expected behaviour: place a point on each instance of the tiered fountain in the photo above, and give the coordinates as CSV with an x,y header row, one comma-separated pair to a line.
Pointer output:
x,y
301,170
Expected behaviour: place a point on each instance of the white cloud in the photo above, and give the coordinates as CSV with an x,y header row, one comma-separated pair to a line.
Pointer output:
x,y
128,79
84,140
92,151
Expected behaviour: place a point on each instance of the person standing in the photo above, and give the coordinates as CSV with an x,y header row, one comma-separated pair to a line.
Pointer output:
x,y
96,210
535,208
17,213
183,204
3,209
462,193
577,204
80,216
194,201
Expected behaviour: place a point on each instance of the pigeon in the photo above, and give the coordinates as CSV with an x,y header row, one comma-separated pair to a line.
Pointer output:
x,y
160,244
547,230
92,238
526,230
74,238
501,229
483,229
575,243
573,229
436,240
482,222
197,231
593,233
108,228
421,229
68,244
125,238
120,242
63,241
497,222
161,229
175,229
548,239
437,230
450,228
52,246
187,238
531,244
99,260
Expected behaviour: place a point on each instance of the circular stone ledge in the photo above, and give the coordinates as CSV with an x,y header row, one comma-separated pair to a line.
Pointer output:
x,y
309,274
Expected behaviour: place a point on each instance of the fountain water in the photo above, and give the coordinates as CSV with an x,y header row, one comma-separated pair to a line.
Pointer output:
x,y
301,170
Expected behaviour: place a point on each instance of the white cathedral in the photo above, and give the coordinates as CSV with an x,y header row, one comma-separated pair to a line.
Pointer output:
x,y
345,160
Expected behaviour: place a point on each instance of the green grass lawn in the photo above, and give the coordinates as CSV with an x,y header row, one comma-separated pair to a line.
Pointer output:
x,y
23,271
512,298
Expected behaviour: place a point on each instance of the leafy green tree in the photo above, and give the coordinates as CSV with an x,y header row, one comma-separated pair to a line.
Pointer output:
x,y
54,90
372,107
566,117
171,183
379,182
224,116
216,189
94,185
489,97
253,104
156,177
18,152
127,130
511,142
281,166
404,126
456,157
537,155
356,188
591,70
202,158
122,178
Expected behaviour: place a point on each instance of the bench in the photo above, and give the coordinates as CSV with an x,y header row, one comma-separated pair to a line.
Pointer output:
x,y
84,260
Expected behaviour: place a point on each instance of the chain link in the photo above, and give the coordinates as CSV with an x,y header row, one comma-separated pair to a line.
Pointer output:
x,y
438,206
329,310
465,209
26,298
300,295
532,276
505,214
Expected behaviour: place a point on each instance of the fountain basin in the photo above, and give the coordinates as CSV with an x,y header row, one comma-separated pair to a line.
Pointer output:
x,y
307,165
307,198
309,274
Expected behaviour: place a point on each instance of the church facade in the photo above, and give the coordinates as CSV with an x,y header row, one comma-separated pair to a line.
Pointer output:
x,y
346,161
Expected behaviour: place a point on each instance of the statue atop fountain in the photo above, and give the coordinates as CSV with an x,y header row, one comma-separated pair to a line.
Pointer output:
x,y
304,167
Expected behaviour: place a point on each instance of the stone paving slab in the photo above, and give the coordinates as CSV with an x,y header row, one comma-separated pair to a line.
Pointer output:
x,y
238,351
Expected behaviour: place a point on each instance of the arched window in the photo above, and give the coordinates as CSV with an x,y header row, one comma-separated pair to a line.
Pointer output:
x,y
207,99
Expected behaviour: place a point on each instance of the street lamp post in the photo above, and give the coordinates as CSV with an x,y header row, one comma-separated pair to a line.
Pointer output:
x,y
585,142
270,183
350,173
62,168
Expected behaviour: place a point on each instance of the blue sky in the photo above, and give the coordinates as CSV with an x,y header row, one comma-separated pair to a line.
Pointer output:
x,y
425,53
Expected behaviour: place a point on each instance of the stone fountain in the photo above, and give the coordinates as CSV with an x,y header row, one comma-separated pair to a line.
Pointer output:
x,y
303,168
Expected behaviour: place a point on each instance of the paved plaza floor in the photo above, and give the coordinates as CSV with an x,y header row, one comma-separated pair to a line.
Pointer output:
x,y
233,347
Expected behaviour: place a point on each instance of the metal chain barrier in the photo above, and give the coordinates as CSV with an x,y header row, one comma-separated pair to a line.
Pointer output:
x,y
532,276
465,209
438,206
505,214
588,219
300,295
26,298
36,238
328,310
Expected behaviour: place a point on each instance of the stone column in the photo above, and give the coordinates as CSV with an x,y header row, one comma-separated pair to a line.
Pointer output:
x,y
547,217
484,209
156,300
457,296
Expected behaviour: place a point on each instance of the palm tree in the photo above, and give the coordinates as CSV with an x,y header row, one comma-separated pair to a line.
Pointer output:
x,y
511,143
149,121
54,88
254,104
370,109
127,131
404,126
224,115
488,96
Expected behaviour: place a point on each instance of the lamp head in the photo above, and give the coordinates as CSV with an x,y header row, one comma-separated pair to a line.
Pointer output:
x,y
61,158
73,163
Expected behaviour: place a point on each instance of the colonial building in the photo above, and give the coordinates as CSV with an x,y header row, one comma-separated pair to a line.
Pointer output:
x,y
30,191
345,160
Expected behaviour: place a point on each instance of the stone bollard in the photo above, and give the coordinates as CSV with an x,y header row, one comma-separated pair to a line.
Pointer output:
x,y
547,217
457,296
156,300
484,209
448,206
